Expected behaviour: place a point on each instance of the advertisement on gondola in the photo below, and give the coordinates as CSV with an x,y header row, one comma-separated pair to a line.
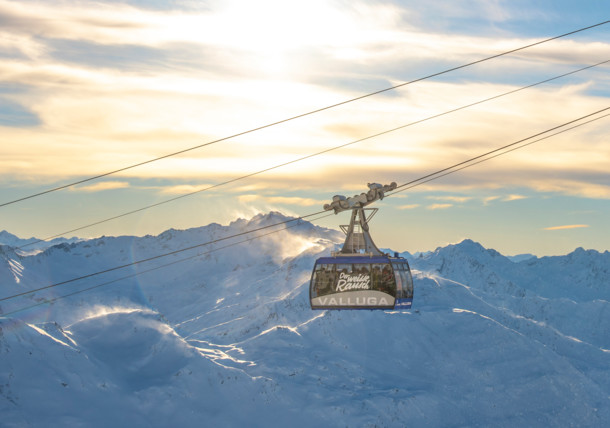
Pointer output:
x,y
349,282
359,298
352,290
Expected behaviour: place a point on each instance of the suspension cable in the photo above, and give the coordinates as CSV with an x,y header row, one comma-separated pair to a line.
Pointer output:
x,y
299,218
418,183
53,300
302,115
503,147
158,256
310,155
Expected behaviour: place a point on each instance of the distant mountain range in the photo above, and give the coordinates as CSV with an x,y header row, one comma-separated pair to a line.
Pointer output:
x,y
31,245
225,336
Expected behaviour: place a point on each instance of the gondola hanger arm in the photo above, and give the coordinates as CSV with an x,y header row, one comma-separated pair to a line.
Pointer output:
x,y
376,192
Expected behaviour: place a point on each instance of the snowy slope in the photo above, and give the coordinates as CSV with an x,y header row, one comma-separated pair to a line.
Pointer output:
x,y
228,338
569,293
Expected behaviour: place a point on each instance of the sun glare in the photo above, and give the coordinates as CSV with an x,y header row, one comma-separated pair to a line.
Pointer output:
x,y
276,26
271,29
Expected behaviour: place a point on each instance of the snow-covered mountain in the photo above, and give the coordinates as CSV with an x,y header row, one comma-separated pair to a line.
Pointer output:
x,y
31,245
226,337
521,257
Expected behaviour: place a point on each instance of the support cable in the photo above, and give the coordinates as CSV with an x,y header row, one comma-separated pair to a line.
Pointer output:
x,y
418,183
311,155
309,215
503,147
303,114
54,299
156,257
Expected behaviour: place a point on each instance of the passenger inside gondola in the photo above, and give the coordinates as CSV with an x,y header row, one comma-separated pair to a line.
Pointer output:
x,y
325,279
387,280
376,277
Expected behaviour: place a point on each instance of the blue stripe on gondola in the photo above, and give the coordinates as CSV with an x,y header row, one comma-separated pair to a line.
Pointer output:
x,y
356,259
403,303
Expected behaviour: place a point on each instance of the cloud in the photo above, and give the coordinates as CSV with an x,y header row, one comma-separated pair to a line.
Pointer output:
x,y
84,21
183,189
248,198
489,199
569,226
407,207
104,185
575,187
513,198
439,206
457,199
294,200
259,187
141,98
281,200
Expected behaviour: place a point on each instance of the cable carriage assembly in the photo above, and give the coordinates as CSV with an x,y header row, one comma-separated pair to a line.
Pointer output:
x,y
360,276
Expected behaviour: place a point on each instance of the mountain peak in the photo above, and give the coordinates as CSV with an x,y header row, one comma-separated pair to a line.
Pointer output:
x,y
262,219
467,246
8,238
469,243
4,234
473,247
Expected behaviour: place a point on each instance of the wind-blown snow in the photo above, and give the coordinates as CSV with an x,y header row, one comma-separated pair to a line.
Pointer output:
x,y
228,338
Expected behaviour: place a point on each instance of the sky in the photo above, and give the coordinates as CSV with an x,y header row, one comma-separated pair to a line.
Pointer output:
x,y
88,87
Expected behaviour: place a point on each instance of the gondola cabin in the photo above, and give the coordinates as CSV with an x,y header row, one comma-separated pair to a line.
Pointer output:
x,y
360,276
361,282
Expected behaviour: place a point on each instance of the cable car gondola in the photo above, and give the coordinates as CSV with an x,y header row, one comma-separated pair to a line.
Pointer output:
x,y
360,276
